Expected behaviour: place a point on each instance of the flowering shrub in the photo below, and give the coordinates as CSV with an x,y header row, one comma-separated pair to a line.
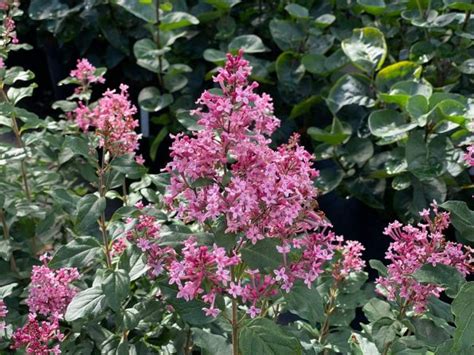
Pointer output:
x,y
214,254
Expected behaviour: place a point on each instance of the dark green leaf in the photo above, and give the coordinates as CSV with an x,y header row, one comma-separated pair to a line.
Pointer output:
x,y
349,90
249,44
262,336
262,255
89,209
463,310
461,217
116,287
151,100
366,48
77,253
447,276
87,303
306,303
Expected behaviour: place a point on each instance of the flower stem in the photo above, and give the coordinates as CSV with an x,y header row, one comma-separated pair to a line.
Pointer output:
x,y
20,144
328,310
235,329
6,235
102,224
235,320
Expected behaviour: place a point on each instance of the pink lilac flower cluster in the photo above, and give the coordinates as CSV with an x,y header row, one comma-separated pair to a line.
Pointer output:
x,y
262,192
85,72
145,233
112,117
49,295
50,290
228,169
3,314
8,30
258,287
413,247
469,155
202,265
36,336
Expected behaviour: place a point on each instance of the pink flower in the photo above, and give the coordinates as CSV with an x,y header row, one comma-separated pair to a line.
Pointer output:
x,y
234,290
202,270
118,246
50,291
37,336
261,192
113,122
413,247
85,73
3,314
253,311
351,259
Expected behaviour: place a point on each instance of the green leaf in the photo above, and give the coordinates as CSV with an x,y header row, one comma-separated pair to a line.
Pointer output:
x,y
14,74
79,252
387,123
335,134
395,73
131,318
64,105
85,304
223,4
286,34
362,346
447,276
177,19
429,332
41,10
211,344
463,309
5,249
325,20
249,44
127,165
297,11
148,55
467,67
417,108
116,287
132,261
366,49
401,92
7,290
17,94
289,68
329,179
262,255
214,55
262,336
174,82
374,7
88,211
306,303
384,332
144,11
151,100
377,309
304,106
350,90
425,160
190,311
462,218
314,63
463,5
